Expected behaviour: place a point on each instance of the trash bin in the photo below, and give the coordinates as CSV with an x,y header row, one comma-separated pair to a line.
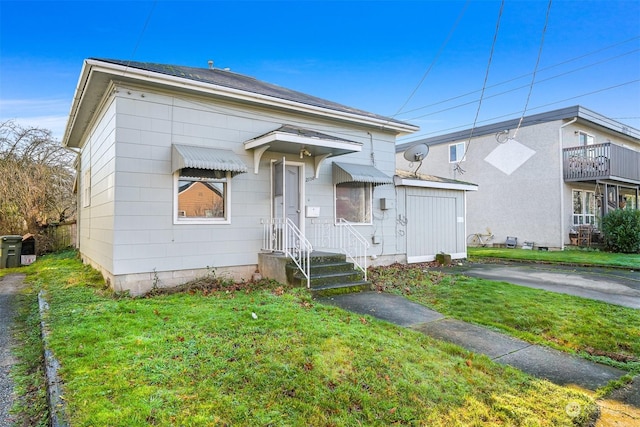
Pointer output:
x,y
10,251
28,249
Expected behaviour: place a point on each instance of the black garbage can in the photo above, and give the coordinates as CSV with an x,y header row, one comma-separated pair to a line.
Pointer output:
x,y
28,249
10,251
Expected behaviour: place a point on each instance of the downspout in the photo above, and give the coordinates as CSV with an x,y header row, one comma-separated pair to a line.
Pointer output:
x,y
560,147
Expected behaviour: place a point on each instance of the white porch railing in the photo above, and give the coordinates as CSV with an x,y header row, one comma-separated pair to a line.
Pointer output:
x,y
282,235
344,238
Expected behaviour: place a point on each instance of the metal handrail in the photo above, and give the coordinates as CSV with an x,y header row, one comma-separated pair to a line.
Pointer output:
x,y
353,245
282,235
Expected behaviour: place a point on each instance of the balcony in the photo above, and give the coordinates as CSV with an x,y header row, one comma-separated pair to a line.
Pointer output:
x,y
601,161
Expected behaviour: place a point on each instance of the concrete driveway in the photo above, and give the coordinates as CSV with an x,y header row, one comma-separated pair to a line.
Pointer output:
x,y
614,286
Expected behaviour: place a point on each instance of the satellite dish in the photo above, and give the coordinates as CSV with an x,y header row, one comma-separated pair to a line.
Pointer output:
x,y
417,153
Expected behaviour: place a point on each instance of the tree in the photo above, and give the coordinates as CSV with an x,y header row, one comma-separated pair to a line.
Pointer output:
x,y
36,179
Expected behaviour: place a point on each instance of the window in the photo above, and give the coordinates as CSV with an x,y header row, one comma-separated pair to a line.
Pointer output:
x,y
86,182
586,139
584,207
202,196
353,202
456,152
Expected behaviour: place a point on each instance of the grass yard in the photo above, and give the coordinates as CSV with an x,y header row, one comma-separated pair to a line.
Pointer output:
x,y
569,256
598,331
262,354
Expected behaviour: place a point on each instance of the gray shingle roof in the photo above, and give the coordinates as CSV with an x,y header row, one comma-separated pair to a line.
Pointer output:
x,y
241,82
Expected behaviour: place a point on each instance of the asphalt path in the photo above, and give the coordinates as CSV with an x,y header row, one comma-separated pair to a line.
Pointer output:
x,y
10,285
611,285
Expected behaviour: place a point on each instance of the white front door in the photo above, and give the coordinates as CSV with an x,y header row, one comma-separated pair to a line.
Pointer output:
x,y
287,191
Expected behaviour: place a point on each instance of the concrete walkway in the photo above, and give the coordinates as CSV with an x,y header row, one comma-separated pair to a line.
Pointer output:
x,y
611,285
10,285
555,366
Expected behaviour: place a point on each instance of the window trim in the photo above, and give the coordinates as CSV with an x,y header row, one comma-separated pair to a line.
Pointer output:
x,y
462,158
576,216
86,185
369,187
178,220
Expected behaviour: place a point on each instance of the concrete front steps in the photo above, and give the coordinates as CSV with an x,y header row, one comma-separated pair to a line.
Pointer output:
x,y
330,274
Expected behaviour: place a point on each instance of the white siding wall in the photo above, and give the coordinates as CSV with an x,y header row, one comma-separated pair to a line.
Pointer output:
x,y
97,219
146,242
433,223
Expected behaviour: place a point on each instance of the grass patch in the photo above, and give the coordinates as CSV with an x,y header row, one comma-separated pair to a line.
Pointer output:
x,y
593,329
569,256
268,355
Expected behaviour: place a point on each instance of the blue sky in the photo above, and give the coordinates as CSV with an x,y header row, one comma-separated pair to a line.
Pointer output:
x,y
420,61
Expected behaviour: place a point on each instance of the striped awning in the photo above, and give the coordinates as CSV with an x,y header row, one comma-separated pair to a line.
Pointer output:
x,y
191,157
347,172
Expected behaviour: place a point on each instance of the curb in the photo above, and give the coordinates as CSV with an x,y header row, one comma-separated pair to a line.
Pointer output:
x,y
57,406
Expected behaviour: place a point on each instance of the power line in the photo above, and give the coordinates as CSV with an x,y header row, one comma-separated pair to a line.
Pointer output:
x,y
542,69
415,137
435,59
535,69
484,85
516,88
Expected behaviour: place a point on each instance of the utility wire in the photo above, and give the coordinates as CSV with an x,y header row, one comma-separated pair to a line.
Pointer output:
x,y
435,59
542,69
484,85
513,89
144,28
535,70
493,119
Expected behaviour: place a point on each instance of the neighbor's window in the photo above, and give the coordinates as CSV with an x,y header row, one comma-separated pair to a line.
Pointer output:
x,y
584,207
456,152
203,198
353,202
586,139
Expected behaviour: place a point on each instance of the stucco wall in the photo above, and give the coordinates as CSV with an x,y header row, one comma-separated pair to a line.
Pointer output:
x,y
518,185
524,202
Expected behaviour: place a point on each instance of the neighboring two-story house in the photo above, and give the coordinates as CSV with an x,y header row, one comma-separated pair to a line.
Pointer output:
x,y
186,169
543,179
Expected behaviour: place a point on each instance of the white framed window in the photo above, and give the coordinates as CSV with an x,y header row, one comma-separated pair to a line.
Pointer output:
x,y
202,197
86,185
584,207
456,152
353,202
586,139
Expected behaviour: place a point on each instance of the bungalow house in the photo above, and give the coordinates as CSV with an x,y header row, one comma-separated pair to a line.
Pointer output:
x,y
186,169
546,180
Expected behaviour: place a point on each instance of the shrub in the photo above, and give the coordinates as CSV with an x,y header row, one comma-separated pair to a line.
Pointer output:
x,y
621,229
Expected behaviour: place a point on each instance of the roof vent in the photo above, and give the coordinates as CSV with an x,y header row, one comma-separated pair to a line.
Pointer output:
x,y
210,62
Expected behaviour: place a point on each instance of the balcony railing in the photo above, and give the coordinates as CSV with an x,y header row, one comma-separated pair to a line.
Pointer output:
x,y
601,161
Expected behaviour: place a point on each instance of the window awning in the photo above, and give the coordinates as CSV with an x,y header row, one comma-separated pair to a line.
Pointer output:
x,y
189,156
347,172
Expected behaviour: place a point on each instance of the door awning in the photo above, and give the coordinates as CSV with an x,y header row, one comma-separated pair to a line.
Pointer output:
x,y
347,172
301,142
192,157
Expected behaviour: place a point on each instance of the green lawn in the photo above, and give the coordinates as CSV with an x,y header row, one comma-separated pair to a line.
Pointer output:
x,y
263,354
593,329
569,256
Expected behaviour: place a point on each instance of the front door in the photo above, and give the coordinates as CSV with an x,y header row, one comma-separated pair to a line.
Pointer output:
x,y
287,200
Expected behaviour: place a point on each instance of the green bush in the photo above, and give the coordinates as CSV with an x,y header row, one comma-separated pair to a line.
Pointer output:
x,y
621,229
